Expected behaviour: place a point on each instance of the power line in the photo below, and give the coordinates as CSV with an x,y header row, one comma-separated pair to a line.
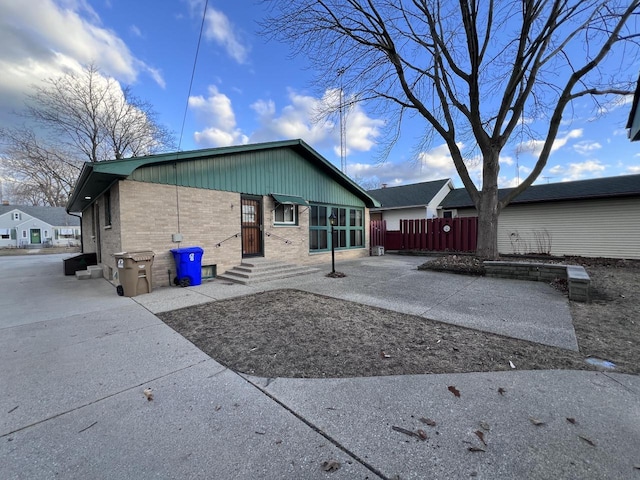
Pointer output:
x,y
193,73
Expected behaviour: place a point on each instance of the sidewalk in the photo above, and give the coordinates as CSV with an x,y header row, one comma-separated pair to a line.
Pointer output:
x,y
76,358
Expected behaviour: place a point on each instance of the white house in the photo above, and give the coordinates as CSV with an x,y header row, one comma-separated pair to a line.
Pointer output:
x,y
22,226
415,201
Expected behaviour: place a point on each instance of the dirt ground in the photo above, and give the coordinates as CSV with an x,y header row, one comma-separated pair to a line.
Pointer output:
x,y
289,333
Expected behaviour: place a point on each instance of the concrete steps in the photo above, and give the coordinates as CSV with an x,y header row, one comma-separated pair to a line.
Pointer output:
x,y
258,270
92,271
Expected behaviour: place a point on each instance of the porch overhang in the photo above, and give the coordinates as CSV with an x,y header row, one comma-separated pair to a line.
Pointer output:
x,y
289,199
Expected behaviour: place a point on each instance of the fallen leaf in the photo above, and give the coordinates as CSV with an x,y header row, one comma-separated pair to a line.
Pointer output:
x,y
384,355
218,407
637,467
476,449
571,420
278,442
480,435
148,393
330,465
590,442
485,426
260,432
428,421
536,422
454,390
422,434
511,364
502,391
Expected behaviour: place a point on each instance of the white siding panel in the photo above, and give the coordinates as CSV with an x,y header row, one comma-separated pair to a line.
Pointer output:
x,y
590,228
393,217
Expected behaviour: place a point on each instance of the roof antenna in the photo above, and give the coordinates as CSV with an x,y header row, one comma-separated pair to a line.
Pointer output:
x,y
343,128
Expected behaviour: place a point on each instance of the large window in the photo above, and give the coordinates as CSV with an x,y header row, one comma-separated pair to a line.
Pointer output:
x,y
348,227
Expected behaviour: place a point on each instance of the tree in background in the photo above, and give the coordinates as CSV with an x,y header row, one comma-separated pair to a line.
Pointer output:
x,y
76,118
475,70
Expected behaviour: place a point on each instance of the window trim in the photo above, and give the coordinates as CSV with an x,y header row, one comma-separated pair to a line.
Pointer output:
x,y
347,228
292,223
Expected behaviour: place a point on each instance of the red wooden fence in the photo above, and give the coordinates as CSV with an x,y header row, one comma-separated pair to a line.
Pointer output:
x,y
458,234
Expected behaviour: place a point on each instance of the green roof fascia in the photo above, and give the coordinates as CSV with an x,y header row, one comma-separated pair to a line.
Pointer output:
x,y
97,177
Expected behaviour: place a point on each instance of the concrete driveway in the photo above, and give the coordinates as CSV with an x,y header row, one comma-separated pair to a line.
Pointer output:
x,y
76,358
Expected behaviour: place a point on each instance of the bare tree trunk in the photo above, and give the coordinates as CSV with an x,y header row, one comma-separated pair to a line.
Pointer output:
x,y
488,210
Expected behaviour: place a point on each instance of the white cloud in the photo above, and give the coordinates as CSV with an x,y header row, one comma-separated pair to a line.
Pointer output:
x,y
46,38
303,118
504,182
506,160
578,171
633,169
220,29
135,31
216,112
534,147
587,148
434,164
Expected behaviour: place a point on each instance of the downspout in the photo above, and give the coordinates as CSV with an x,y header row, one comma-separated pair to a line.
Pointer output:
x,y
81,235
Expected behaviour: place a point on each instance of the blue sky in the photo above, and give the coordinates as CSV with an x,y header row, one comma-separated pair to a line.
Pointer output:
x,y
249,90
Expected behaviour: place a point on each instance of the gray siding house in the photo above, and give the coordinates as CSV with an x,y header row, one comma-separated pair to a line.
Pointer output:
x,y
23,226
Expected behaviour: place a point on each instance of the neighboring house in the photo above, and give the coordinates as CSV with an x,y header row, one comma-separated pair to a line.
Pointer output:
x,y
270,200
591,218
415,201
633,124
23,226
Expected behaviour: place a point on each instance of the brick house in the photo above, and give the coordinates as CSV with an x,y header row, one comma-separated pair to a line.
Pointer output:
x,y
270,200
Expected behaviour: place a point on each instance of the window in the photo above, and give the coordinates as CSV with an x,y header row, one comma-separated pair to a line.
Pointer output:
x,y
65,233
16,215
5,233
348,228
24,234
107,209
286,214
248,214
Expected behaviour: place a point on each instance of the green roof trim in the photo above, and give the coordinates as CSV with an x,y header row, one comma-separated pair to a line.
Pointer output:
x,y
96,178
289,199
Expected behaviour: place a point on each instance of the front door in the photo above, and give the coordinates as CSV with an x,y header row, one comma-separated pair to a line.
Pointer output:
x,y
35,235
251,227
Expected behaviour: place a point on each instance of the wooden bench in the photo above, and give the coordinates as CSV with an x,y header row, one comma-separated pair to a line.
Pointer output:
x,y
577,278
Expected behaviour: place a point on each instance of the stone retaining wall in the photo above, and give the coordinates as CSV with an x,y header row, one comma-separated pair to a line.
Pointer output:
x,y
577,278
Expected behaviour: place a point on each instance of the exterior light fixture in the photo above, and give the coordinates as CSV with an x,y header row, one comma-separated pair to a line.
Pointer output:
x,y
332,221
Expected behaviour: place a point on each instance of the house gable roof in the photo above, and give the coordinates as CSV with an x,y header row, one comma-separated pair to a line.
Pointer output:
x,y
54,216
416,194
621,186
96,178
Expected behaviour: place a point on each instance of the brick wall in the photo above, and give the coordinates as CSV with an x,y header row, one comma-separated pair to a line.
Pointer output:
x,y
145,215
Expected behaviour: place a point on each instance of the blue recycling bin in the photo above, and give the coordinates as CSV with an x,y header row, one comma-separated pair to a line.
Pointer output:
x,y
188,266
